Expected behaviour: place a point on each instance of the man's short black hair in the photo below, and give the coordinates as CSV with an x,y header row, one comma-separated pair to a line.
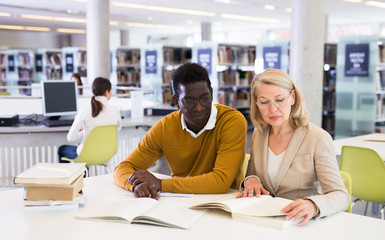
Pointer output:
x,y
189,73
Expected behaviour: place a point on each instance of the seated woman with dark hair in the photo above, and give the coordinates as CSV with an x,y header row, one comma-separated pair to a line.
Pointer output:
x,y
98,113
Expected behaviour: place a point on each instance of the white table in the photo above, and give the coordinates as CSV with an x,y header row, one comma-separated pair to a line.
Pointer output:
x,y
16,224
379,147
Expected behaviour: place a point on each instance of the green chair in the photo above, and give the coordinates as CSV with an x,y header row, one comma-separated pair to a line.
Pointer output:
x,y
367,171
348,184
239,178
100,146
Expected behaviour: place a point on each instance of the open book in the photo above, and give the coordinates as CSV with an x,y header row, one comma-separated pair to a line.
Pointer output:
x,y
144,210
263,210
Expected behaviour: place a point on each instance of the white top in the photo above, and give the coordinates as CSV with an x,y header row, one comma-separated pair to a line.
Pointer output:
x,y
273,163
84,122
209,125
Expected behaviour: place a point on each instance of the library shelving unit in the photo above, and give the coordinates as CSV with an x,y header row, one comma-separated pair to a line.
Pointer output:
x,y
74,61
231,69
272,54
359,103
125,66
157,63
19,69
329,88
2,69
48,64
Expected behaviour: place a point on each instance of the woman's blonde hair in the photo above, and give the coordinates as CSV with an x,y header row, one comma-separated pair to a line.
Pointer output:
x,y
298,113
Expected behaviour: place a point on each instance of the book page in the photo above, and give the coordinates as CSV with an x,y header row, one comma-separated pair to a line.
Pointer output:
x,y
119,209
234,204
270,207
170,214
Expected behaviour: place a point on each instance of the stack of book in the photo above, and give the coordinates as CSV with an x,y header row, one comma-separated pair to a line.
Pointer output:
x,y
52,186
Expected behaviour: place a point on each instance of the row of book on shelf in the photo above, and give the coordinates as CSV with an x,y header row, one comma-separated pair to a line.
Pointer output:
x,y
52,186
229,55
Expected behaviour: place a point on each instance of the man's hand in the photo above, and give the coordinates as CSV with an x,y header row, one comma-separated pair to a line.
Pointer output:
x,y
145,184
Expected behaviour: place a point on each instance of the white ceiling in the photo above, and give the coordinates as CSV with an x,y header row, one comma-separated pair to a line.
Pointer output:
x,y
338,12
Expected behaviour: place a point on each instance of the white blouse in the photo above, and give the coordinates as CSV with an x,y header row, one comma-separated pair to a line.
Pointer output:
x,y
273,163
84,122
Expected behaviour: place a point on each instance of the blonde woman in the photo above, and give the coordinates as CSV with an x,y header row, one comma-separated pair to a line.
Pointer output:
x,y
291,157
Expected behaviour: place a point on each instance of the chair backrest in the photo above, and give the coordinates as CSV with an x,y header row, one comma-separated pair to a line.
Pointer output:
x,y
100,146
241,175
367,171
348,184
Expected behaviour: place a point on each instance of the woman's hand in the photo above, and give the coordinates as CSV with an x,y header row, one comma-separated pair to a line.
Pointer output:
x,y
300,208
253,187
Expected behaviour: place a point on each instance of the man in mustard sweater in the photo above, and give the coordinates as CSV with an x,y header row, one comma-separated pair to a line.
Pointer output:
x,y
204,144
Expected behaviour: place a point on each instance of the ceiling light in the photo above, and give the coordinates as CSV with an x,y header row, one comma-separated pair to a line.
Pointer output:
x,y
247,18
40,29
269,7
162,9
68,30
50,18
15,27
11,27
222,1
289,10
79,0
114,23
375,4
136,24
353,1
3,14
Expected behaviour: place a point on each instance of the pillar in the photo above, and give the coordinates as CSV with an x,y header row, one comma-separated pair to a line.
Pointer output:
x,y
306,53
98,40
206,31
124,38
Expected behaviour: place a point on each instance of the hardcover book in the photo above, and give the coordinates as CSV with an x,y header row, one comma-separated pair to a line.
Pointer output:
x,y
50,174
55,192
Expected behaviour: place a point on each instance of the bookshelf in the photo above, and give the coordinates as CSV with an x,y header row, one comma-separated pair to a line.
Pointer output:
x,y
48,64
2,68
19,69
359,99
74,61
157,64
125,66
231,69
329,88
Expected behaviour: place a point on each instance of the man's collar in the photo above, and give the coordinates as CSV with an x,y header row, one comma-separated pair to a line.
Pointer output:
x,y
209,125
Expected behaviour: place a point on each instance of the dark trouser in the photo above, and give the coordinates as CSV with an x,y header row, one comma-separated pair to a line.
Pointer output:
x,y
68,151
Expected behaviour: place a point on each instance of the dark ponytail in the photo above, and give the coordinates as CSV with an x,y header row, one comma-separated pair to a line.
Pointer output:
x,y
99,88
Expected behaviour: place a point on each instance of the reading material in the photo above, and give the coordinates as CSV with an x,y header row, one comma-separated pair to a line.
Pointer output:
x,y
263,210
50,174
375,137
144,210
32,205
55,192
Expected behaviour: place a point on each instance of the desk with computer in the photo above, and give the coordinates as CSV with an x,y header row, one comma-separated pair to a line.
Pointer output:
x,y
59,105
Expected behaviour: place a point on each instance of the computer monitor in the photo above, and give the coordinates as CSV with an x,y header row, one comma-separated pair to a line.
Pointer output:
x,y
58,98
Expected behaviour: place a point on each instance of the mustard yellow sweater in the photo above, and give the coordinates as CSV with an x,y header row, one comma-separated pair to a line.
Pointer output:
x,y
207,164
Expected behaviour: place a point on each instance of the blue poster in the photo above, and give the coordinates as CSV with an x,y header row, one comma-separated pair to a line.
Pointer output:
x,y
205,59
357,60
151,66
272,57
